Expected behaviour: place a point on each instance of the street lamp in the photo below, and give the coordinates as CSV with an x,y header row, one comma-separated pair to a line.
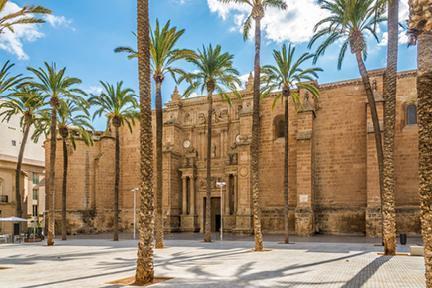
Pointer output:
x,y
134,211
221,185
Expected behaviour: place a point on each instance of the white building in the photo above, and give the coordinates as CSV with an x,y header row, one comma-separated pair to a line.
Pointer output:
x,y
33,190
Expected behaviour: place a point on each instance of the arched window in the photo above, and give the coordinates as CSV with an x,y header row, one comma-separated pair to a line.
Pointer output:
x,y
411,114
279,127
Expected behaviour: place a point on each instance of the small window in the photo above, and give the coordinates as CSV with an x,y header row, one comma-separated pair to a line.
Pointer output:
x,y
35,179
411,114
35,194
279,127
35,210
13,142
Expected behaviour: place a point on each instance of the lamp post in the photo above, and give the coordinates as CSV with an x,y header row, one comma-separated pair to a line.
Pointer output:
x,y
221,185
134,211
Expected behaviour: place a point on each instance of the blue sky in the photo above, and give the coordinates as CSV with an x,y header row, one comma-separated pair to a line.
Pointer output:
x,y
83,34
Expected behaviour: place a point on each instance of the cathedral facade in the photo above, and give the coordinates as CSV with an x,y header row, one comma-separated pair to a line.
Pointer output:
x,y
333,174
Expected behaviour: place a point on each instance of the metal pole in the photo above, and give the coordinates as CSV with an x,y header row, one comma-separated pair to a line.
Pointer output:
x,y
222,204
134,215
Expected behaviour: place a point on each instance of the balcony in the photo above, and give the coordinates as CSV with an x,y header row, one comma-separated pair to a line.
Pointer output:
x,y
4,199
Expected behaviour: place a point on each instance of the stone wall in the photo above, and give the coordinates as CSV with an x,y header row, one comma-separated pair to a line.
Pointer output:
x,y
332,165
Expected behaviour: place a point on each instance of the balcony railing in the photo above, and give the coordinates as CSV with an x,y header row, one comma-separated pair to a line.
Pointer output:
x,y
4,199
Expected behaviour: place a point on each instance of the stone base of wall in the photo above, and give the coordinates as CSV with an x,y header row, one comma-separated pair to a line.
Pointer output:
x,y
408,220
340,221
172,224
189,223
304,222
273,220
244,224
373,222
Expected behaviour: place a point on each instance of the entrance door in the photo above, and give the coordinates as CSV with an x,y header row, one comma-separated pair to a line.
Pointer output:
x,y
16,229
215,213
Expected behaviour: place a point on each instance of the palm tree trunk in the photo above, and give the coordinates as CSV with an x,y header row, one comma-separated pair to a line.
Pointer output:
x,y
286,208
159,232
117,182
52,161
145,268
64,188
375,120
207,232
18,171
424,92
255,144
390,84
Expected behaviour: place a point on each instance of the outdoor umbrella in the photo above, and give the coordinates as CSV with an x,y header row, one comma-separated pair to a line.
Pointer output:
x,y
13,219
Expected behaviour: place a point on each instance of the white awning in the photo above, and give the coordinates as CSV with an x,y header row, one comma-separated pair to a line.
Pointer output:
x,y
13,219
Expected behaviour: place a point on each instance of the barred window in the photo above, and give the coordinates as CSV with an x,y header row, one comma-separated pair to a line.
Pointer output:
x,y
411,114
279,127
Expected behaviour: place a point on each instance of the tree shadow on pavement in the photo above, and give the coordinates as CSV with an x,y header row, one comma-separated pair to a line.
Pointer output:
x,y
367,272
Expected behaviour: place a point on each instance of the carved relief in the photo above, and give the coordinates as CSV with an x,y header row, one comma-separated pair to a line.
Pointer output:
x,y
220,116
187,119
201,118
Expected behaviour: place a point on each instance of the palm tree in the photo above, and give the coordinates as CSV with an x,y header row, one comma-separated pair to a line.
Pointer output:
x,y
257,13
55,87
163,58
25,15
288,75
73,122
390,84
145,268
215,73
7,83
26,103
349,21
119,105
420,27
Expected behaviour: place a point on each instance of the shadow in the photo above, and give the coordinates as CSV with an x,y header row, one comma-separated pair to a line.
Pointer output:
x,y
78,278
366,273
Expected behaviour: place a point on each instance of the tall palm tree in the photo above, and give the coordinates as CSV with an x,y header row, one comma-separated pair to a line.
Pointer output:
x,y
7,83
420,27
55,87
25,15
163,59
24,102
257,13
145,268
215,73
390,84
289,76
119,105
73,122
349,21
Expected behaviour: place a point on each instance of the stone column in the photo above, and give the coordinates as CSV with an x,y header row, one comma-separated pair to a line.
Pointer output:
x,y
304,214
192,196
373,210
184,197
243,219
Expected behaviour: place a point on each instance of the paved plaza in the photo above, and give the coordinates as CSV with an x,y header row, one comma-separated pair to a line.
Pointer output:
x,y
192,263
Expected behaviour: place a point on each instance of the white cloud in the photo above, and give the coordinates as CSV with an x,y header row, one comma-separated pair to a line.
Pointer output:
x,y
93,90
58,21
295,24
12,42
